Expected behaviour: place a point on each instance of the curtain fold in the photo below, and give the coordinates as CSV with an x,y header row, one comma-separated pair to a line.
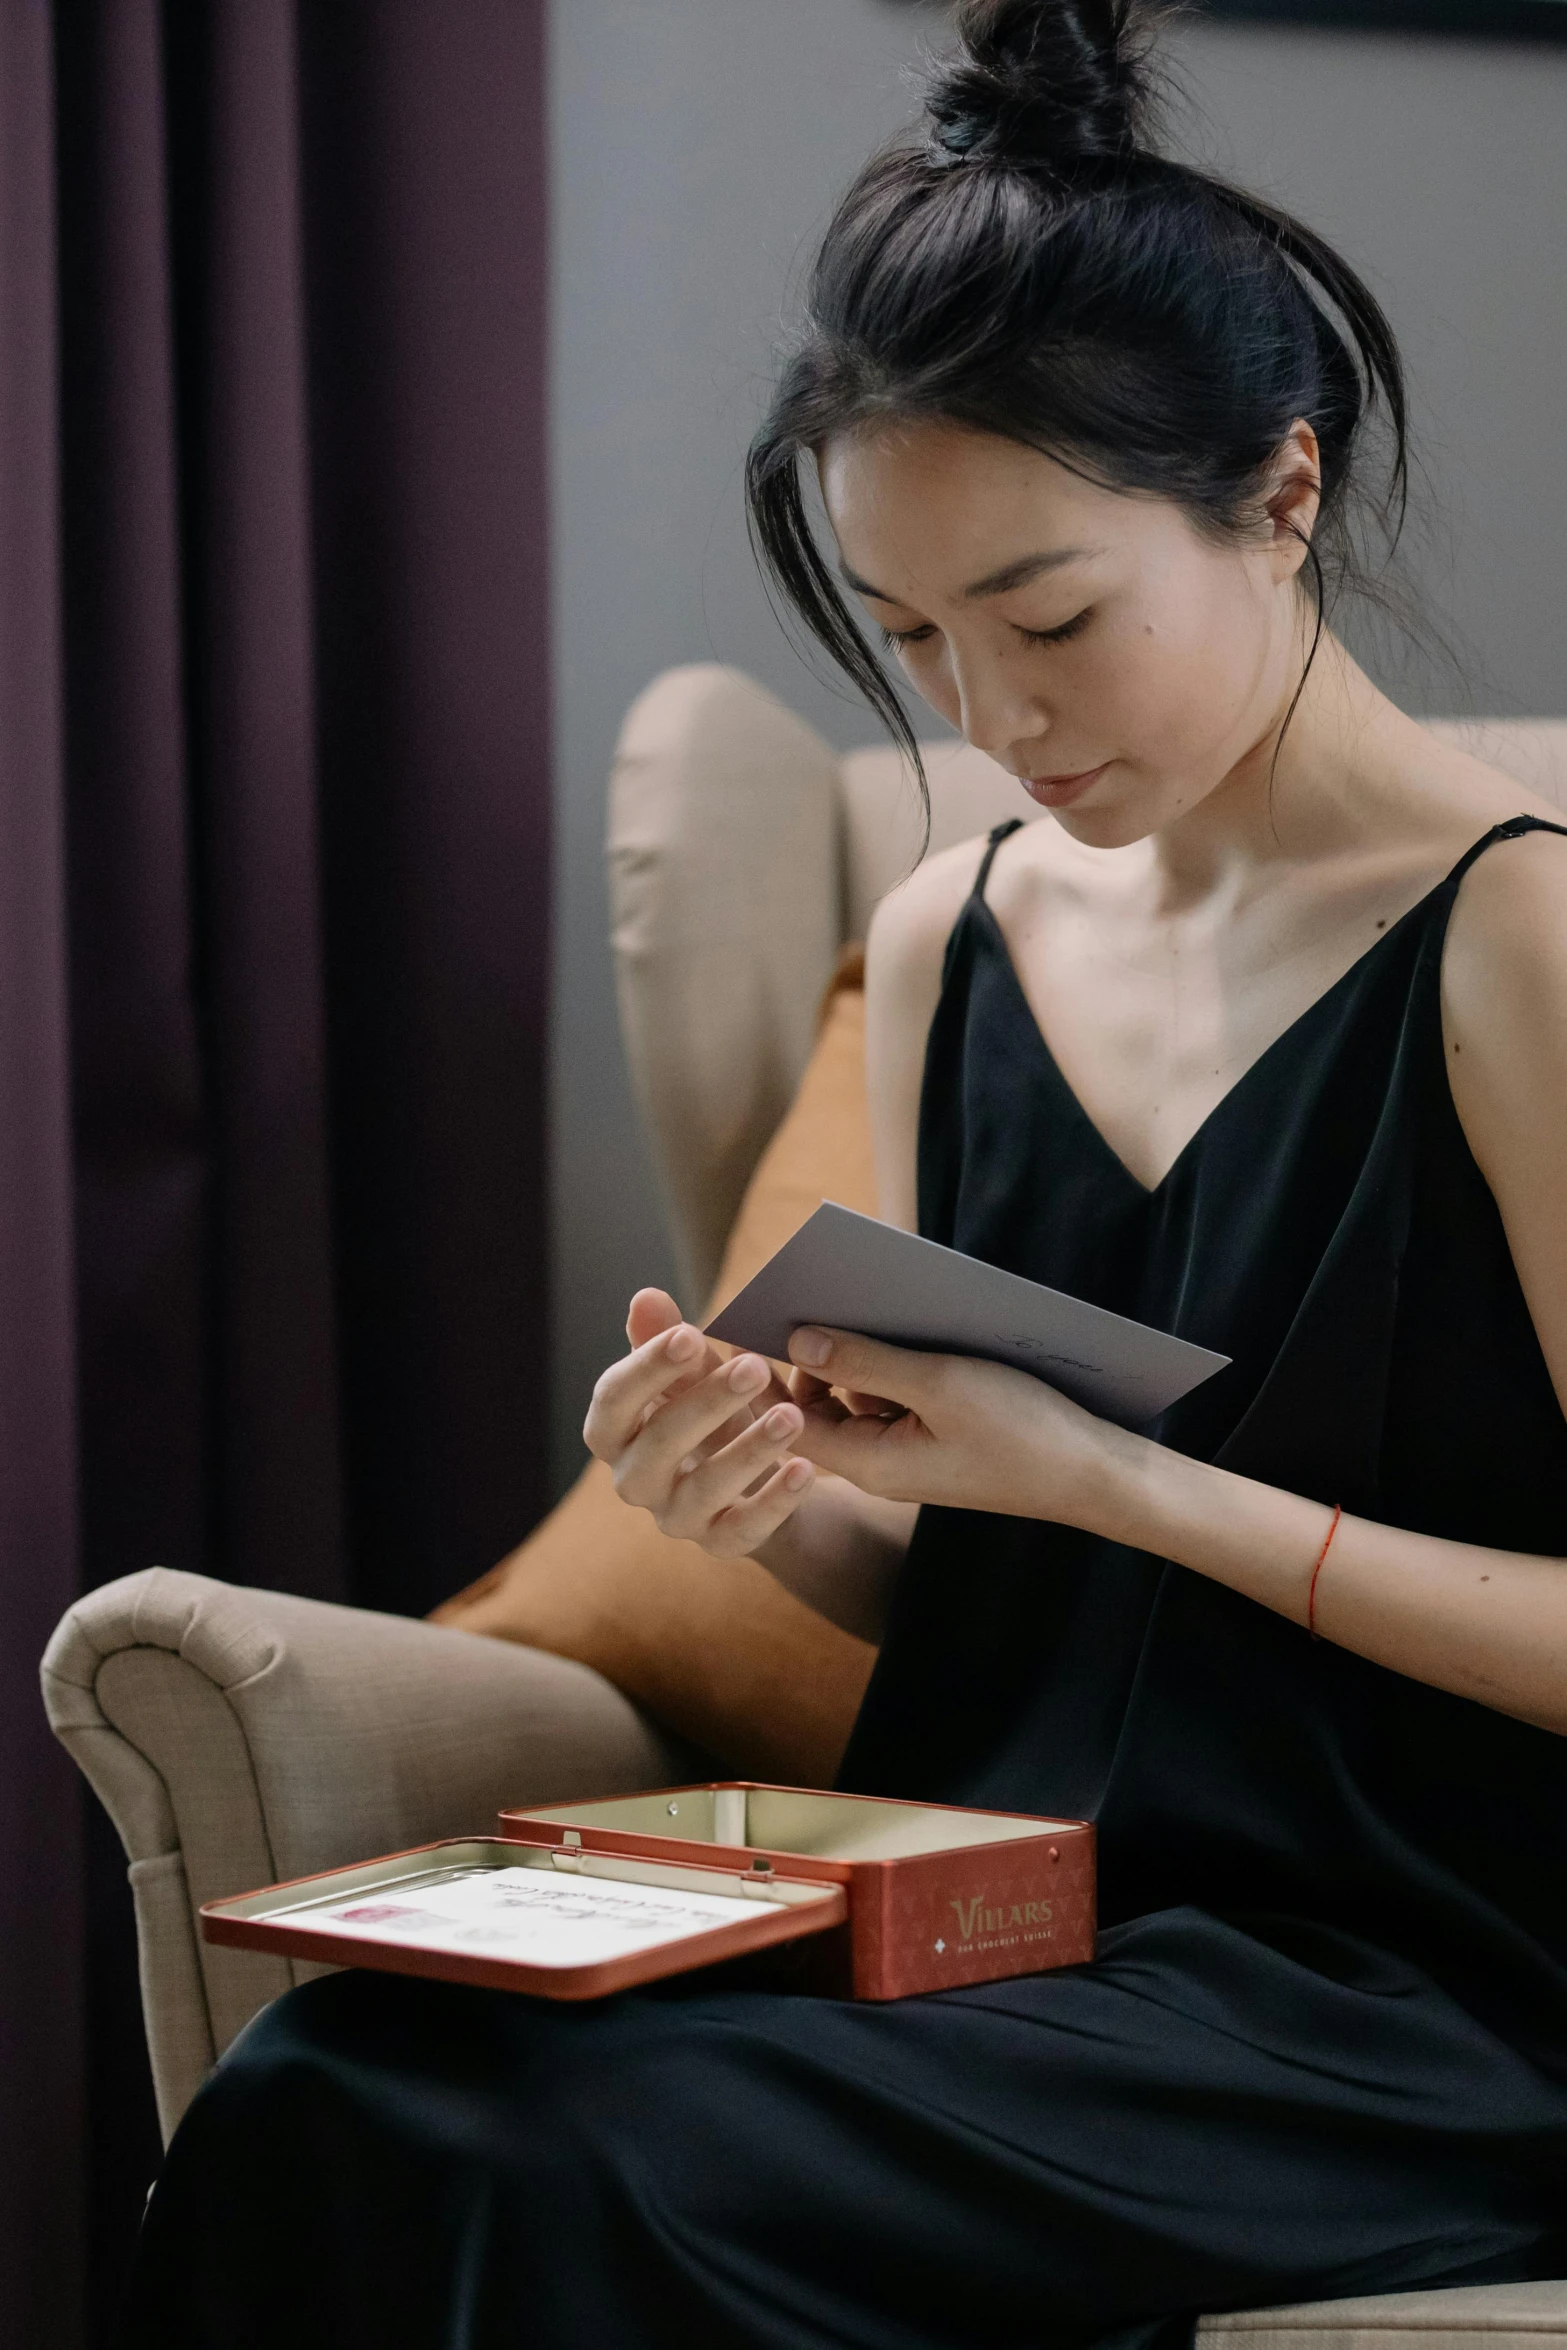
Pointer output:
x,y
274,877
41,1950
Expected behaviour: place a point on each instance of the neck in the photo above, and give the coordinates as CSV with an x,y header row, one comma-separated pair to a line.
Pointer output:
x,y
1307,785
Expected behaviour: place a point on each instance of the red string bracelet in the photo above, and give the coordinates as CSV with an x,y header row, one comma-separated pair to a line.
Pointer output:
x,y
1322,1557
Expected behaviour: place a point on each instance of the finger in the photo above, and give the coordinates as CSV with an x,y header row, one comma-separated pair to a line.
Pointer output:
x,y
663,1366
866,1450
716,1408
720,1479
653,1311
839,1358
742,1528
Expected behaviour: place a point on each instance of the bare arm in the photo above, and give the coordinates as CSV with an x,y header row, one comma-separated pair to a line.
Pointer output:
x,y
841,1553
842,1548
706,1444
903,958
1485,1624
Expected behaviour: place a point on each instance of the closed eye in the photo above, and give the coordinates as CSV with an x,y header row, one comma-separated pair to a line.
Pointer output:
x,y
1058,636
895,639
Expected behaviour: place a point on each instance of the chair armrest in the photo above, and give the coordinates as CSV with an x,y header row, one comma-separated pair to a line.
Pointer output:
x,y
237,1737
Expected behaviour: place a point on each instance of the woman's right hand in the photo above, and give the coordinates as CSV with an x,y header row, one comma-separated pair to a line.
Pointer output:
x,y
700,1440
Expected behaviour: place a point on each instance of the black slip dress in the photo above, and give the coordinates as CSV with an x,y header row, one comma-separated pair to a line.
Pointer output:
x,y
1324,2048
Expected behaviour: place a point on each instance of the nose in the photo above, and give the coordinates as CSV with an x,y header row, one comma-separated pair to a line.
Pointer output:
x,y
999,713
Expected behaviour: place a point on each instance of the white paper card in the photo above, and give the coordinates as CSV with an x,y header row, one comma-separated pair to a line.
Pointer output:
x,y
524,1913
853,1273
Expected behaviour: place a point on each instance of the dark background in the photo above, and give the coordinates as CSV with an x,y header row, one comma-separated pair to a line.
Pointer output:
x,y
274,892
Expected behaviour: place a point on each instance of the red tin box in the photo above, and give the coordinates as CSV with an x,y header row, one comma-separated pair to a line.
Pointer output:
x,y
876,1900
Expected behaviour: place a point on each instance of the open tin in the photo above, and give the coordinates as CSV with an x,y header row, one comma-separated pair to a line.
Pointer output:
x,y
844,1895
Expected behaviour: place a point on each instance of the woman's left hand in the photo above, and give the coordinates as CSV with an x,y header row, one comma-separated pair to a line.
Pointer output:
x,y
950,1430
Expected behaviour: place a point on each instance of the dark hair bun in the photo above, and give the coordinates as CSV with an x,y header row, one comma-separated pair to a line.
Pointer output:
x,y
1043,84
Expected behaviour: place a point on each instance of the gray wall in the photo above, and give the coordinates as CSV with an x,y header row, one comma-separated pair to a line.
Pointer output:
x,y
698,145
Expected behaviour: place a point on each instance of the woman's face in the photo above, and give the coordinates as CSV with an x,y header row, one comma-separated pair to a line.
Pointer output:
x,y
1093,642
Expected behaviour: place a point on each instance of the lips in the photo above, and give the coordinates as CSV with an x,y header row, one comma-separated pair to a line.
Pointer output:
x,y
1058,791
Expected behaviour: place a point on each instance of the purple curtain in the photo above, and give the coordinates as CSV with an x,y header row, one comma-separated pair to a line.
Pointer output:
x,y
274,861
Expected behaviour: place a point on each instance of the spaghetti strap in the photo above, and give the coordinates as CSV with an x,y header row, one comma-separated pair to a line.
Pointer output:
x,y
1001,833
1513,829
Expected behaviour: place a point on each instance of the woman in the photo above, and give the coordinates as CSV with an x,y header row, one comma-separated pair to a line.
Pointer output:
x,y
1261,1039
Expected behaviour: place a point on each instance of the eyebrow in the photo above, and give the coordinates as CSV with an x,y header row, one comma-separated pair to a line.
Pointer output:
x,y
994,583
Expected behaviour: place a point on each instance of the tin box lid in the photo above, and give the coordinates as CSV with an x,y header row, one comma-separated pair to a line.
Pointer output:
x,y
558,1921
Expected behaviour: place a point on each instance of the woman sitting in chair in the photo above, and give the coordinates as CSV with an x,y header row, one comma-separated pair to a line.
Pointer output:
x,y
1262,1039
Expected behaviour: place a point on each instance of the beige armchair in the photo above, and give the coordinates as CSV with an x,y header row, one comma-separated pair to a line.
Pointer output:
x,y
238,1736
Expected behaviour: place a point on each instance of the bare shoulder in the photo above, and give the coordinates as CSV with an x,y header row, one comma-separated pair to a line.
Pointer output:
x,y
910,927
906,947
1504,1025
903,962
1504,1003
1510,921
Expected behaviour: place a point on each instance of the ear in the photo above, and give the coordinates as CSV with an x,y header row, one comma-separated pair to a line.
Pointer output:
x,y
1292,499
